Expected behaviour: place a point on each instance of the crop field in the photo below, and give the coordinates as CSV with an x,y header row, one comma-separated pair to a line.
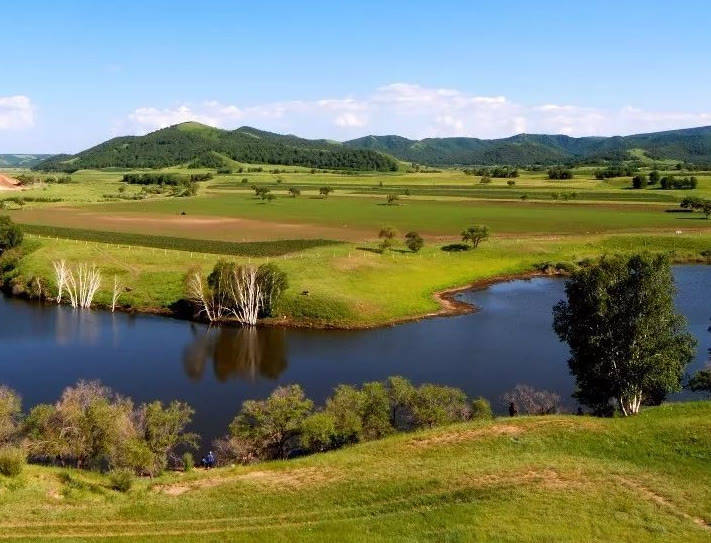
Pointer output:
x,y
549,478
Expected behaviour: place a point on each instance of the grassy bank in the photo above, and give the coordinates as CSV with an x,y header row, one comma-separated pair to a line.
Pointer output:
x,y
556,478
348,285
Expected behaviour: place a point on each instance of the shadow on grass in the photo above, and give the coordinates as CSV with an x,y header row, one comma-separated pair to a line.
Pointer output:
x,y
456,247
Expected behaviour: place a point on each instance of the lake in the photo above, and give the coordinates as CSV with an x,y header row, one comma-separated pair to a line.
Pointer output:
x,y
44,348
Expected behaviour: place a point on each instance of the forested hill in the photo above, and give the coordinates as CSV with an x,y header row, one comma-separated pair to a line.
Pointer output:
x,y
204,146
688,145
21,160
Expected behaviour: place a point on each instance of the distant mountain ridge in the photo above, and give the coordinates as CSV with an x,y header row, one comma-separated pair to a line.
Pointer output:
x,y
689,144
22,160
199,145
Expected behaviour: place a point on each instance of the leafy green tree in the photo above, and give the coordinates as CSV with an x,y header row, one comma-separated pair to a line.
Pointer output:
x,y
163,429
414,241
10,234
654,177
639,181
345,405
475,234
318,432
294,192
325,191
10,410
375,411
271,425
387,236
627,342
392,199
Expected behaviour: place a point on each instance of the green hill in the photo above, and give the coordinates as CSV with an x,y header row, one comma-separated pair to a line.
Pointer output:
x,y
526,479
689,145
199,145
21,160
194,143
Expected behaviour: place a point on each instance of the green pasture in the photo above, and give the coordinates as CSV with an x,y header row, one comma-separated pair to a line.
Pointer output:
x,y
348,284
555,478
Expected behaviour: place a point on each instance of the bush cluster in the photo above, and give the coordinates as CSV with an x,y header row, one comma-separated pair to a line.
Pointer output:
x,y
287,423
669,182
559,172
91,427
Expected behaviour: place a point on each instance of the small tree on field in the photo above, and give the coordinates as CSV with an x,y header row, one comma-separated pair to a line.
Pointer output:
x,y
10,234
485,180
392,199
294,192
269,197
510,182
414,241
325,191
639,181
387,236
627,342
654,177
475,234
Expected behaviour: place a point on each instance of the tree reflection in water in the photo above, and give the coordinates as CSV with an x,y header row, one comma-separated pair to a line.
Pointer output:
x,y
236,353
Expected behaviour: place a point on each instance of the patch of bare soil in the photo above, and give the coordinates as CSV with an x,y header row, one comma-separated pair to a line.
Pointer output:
x,y
547,478
290,479
494,430
8,183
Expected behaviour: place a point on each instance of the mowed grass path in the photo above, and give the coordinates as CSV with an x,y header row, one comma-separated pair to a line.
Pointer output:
x,y
433,217
529,479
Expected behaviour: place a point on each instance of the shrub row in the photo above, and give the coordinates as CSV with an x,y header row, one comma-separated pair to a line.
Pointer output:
x,y
287,423
233,248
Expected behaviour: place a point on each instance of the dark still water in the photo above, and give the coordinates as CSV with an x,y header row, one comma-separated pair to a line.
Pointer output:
x,y
509,341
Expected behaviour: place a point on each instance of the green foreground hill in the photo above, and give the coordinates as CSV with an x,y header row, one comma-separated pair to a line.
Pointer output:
x,y
553,478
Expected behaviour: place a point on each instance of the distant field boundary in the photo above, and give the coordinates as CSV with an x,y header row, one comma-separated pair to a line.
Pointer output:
x,y
233,248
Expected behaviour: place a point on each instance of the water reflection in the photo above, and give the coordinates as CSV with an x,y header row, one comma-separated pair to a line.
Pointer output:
x,y
236,353
73,324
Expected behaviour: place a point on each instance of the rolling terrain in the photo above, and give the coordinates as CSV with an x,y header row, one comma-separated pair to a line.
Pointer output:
x,y
691,145
199,145
552,478
204,146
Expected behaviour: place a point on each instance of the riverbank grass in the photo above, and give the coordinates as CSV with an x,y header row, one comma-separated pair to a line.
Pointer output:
x,y
350,284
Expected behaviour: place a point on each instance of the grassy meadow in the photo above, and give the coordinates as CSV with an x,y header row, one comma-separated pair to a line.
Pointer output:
x,y
552,478
349,284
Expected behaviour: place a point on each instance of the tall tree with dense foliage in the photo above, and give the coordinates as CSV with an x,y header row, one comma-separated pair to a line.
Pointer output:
x,y
627,342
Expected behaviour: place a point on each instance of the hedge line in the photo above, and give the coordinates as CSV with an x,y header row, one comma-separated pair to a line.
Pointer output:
x,y
246,248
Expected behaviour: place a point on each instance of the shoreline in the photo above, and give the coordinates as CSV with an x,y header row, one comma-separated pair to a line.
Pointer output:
x,y
450,306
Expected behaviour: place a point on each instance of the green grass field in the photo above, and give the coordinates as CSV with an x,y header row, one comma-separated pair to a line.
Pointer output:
x,y
554,478
348,284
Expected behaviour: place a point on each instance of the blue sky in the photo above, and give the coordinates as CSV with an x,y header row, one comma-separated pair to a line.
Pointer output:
x,y
78,72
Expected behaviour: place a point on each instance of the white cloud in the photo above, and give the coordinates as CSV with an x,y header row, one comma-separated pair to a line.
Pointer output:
x,y
16,113
416,111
